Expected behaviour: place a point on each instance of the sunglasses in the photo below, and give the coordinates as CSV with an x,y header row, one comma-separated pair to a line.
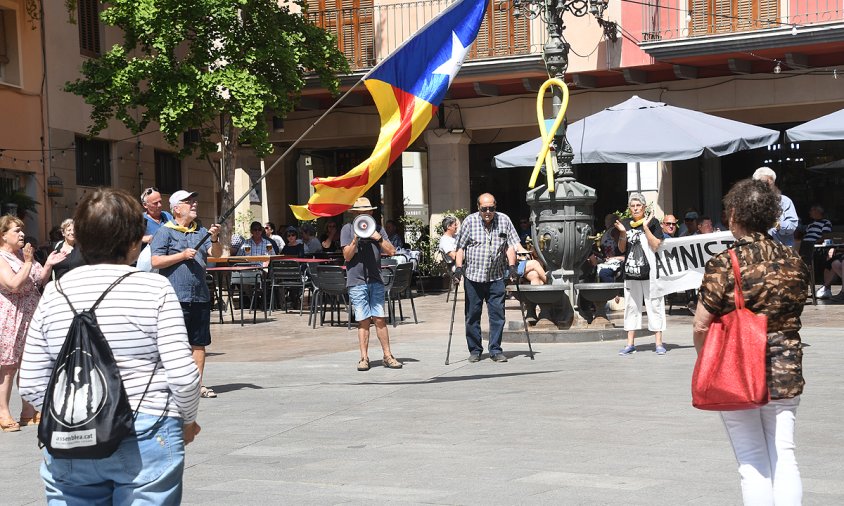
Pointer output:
x,y
149,191
670,223
487,209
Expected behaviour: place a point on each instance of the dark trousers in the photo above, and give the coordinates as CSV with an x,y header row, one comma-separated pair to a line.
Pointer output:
x,y
476,293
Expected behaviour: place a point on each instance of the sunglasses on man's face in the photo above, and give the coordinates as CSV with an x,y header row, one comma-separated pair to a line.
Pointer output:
x,y
670,223
487,209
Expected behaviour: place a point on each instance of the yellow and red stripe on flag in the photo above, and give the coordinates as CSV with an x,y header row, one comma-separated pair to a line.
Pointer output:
x,y
408,87
403,118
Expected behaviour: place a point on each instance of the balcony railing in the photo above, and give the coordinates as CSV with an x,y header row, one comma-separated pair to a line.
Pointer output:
x,y
674,19
367,35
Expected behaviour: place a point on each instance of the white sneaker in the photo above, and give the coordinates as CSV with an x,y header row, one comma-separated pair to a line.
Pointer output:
x,y
823,293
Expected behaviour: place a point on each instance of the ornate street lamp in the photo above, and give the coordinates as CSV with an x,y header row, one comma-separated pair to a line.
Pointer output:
x,y
561,217
556,50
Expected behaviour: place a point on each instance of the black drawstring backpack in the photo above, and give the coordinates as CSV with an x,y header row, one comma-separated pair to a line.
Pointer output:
x,y
86,412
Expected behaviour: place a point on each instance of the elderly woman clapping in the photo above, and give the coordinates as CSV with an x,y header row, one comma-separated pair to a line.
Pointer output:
x,y
774,282
67,246
21,279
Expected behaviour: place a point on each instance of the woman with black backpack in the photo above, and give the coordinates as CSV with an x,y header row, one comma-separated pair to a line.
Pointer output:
x,y
141,319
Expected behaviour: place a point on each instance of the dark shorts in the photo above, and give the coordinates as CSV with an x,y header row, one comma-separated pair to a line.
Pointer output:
x,y
198,322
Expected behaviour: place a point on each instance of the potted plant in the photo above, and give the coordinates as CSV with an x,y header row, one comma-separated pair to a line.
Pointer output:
x,y
17,203
431,270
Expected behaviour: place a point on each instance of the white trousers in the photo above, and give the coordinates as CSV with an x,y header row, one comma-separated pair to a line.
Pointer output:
x,y
763,441
635,291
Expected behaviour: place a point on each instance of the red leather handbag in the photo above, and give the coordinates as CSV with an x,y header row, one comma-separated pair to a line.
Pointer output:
x,y
730,372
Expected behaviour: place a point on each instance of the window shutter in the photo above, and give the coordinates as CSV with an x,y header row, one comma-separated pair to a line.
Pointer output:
x,y
88,19
501,34
727,16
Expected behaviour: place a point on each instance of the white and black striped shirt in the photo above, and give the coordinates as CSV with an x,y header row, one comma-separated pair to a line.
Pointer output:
x,y
141,319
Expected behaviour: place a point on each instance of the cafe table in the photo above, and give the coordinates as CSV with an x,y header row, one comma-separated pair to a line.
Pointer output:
x,y
222,275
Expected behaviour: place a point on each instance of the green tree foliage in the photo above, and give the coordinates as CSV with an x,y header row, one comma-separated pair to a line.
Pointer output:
x,y
217,66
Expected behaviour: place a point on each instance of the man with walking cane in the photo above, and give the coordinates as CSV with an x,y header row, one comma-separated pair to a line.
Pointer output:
x,y
486,244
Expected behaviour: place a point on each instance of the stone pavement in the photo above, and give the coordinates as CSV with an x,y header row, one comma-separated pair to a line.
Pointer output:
x,y
295,423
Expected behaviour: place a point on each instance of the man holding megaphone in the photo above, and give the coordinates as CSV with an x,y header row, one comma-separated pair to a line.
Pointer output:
x,y
363,243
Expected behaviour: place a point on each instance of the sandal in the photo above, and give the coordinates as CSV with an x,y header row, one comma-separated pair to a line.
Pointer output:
x,y
30,420
363,365
207,392
391,362
9,425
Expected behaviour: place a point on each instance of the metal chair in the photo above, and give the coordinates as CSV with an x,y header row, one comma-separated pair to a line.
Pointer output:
x,y
255,280
286,276
218,300
399,286
313,287
331,284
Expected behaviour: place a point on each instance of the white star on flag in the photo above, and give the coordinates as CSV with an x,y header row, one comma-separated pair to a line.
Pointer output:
x,y
452,65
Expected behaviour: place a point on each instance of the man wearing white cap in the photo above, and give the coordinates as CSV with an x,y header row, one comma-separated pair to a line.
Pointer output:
x,y
176,255
783,232
366,288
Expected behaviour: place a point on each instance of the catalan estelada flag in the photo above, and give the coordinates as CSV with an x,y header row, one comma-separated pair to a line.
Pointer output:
x,y
407,87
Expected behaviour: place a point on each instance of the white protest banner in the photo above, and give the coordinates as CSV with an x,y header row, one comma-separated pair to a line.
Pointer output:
x,y
679,263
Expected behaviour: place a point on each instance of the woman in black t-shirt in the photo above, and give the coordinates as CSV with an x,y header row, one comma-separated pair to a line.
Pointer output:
x,y
636,234
67,245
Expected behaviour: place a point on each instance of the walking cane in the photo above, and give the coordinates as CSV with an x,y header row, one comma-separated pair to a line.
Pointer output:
x,y
451,327
524,319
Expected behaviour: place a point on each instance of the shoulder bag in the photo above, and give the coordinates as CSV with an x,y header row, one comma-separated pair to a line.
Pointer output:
x,y
730,372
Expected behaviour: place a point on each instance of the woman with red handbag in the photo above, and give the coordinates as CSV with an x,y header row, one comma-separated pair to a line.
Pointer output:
x,y
773,283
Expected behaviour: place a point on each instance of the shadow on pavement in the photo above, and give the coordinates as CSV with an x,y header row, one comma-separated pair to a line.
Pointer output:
x,y
231,387
449,379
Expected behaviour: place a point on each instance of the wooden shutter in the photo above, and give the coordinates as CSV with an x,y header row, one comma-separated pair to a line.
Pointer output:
x,y
727,16
351,22
501,34
88,19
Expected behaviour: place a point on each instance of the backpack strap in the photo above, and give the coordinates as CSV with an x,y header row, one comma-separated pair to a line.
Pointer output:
x,y
97,303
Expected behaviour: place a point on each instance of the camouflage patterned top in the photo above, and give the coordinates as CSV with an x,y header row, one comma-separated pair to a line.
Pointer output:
x,y
774,282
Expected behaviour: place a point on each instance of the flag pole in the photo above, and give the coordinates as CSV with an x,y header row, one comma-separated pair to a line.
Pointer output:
x,y
231,210
223,217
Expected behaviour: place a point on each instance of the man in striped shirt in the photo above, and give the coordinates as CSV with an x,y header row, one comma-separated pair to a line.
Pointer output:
x,y
818,227
486,245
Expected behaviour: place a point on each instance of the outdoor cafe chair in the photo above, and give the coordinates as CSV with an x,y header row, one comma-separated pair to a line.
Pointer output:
x,y
331,292
286,276
399,286
218,300
253,283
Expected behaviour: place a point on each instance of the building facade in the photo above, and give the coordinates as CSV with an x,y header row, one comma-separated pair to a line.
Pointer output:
x,y
766,62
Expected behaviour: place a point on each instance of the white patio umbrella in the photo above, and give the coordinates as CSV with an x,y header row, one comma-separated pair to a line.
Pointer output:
x,y
639,130
825,128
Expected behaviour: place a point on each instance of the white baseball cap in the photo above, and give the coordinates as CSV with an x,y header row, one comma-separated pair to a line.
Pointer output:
x,y
180,196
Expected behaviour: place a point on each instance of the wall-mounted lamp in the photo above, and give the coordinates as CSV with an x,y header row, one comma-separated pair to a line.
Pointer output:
x,y
278,124
458,130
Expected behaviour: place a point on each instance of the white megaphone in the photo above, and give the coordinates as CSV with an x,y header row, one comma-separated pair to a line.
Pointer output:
x,y
364,226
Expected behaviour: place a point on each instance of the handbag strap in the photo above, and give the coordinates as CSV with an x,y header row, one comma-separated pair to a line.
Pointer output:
x,y
738,293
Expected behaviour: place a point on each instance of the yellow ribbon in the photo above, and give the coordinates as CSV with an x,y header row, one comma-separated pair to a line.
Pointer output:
x,y
184,230
544,153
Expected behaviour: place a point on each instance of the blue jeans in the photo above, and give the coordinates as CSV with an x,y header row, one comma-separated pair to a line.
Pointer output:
x,y
145,469
476,293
